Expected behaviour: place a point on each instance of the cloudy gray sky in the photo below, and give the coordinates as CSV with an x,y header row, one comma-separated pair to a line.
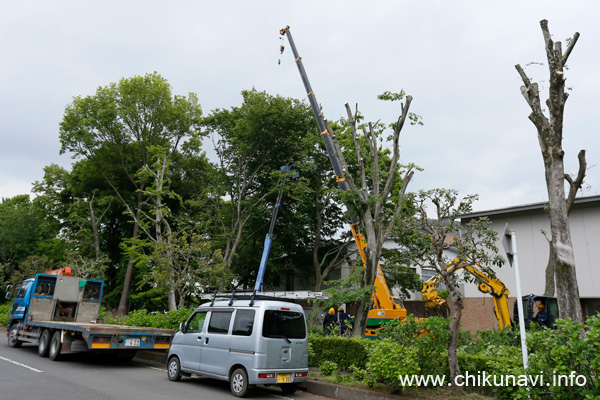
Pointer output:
x,y
456,58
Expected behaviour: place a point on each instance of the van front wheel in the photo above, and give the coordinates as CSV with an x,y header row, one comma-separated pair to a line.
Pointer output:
x,y
289,388
174,369
239,382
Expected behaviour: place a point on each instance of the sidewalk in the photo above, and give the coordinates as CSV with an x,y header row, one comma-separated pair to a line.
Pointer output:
x,y
327,389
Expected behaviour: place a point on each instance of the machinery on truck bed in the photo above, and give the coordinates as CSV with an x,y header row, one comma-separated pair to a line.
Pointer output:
x,y
59,313
385,306
499,292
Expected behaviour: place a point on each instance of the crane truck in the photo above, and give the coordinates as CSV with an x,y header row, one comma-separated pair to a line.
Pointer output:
x,y
385,306
59,313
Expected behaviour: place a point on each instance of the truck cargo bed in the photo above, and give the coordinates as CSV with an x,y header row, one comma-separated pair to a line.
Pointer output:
x,y
108,329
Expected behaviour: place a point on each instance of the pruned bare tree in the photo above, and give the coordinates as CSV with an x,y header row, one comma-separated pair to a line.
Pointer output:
x,y
373,192
550,135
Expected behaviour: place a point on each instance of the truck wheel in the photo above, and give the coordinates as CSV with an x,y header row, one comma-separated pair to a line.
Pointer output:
x,y
174,369
239,382
12,337
55,345
289,388
44,345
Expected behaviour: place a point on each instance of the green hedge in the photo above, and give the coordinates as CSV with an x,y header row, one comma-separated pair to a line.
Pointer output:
x,y
170,320
343,351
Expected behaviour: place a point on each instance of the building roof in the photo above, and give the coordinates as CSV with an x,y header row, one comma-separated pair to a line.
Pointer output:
x,y
528,209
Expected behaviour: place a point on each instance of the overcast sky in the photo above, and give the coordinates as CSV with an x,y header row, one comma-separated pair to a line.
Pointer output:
x,y
456,58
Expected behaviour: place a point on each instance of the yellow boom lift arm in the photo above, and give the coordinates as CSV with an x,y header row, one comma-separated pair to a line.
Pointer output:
x,y
487,284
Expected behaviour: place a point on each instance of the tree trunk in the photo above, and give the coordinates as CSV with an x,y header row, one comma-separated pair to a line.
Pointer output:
x,y
370,273
171,300
457,306
550,271
360,320
122,310
567,289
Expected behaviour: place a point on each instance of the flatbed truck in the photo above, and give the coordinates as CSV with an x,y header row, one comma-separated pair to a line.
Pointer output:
x,y
59,313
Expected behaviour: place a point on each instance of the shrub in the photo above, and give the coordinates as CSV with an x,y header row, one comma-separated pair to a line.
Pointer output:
x,y
143,318
388,360
358,373
4,313
570,348
429,338
328,368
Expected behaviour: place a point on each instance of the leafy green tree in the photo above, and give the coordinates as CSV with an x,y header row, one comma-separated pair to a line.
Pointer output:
x,y
432,230
91,221
317,213
252,142
115,129
187,265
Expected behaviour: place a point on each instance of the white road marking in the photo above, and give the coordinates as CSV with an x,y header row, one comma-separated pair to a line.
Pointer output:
x,y
20,365
158,369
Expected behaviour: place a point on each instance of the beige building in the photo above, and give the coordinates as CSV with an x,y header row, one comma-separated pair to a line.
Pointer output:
x,y
528,222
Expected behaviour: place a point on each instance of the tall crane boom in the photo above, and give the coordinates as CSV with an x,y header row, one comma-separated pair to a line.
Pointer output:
x,y
385,305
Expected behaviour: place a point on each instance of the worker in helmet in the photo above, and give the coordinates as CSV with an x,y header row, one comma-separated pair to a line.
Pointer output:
x,y
542,316
329,322
344,321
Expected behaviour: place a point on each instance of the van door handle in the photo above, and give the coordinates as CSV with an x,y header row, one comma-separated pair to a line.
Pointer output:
x,y
199,338
206,341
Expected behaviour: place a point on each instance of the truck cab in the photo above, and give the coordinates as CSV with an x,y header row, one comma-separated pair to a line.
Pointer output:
x,y
21,301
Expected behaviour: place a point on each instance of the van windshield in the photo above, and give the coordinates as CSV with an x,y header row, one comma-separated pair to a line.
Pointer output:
x,y
287,324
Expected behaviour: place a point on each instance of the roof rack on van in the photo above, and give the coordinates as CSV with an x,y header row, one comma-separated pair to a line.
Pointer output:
x,y
254,295
233,295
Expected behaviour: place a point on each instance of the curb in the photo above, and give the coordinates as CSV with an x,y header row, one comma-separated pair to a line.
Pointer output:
x,y
346,392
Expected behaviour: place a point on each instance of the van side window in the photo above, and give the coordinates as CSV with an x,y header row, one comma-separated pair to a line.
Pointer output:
x,y
219,322
196,323
243,322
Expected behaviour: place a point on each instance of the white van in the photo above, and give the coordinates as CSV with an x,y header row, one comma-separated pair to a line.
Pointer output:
x,y
246,340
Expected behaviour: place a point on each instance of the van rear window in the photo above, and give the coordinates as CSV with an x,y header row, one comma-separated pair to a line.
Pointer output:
x,y
288,324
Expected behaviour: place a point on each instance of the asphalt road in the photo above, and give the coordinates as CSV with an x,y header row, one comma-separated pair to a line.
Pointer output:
x,y
26,376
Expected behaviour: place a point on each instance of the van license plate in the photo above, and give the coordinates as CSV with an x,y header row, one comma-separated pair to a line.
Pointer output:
x,y
132,342
283,378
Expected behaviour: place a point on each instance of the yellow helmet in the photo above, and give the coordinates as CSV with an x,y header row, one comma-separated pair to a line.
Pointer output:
x,y
331,311
541,306
341,309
